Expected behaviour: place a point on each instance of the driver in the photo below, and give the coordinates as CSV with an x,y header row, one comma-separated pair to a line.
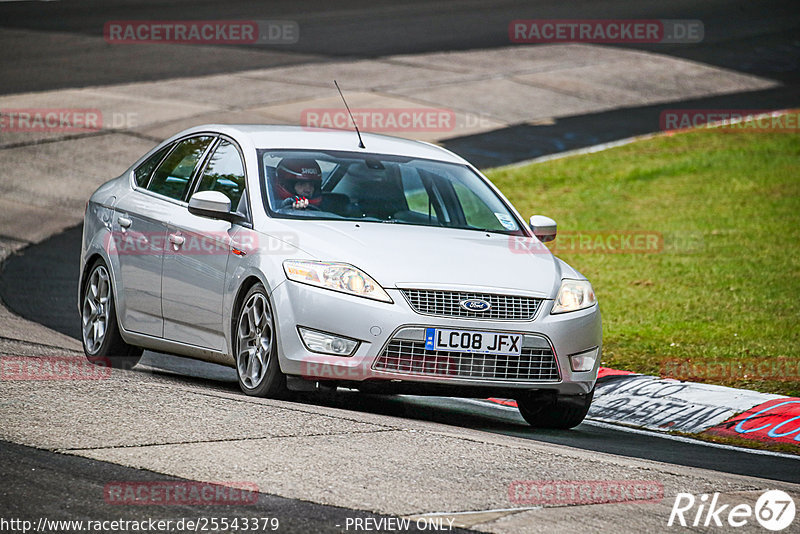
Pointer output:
x,y
299,183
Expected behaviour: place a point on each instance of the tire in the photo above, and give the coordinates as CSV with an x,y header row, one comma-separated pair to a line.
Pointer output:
x,y
102,342
256,349
561,412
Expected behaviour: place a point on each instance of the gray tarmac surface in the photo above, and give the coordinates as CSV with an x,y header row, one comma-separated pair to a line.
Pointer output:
x,y
40,484
60,44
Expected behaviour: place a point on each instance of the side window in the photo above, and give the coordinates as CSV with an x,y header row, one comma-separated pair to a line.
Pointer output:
x,y
143,171
225,173
173,175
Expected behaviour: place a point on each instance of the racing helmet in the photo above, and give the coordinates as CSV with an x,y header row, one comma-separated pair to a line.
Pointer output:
x,y
292,170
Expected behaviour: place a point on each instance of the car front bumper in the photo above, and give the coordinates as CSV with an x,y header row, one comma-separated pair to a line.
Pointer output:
x,y
374,324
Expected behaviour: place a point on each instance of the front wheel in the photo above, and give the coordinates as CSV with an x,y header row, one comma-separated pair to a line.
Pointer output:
x,y
562,412
256,347
102,342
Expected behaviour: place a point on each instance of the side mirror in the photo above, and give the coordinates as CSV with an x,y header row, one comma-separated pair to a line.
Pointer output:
x,y
543,228
211,204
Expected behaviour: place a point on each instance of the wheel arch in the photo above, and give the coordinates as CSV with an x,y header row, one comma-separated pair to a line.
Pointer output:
x,y
87,267
248,282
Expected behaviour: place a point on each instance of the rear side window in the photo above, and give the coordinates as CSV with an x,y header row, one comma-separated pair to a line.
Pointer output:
x,y
172,177
225,173
143,171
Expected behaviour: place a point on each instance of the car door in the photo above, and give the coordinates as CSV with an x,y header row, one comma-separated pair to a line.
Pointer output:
x,y
140,231
197,255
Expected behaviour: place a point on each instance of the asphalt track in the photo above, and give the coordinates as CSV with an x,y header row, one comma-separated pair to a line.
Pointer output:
x,y
49,271
527,141
53,45
60,44
70,487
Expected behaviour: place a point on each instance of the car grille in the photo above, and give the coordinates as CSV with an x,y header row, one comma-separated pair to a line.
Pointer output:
x,y
411,357
447,304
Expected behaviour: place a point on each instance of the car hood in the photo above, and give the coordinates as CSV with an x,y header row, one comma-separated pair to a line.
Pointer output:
x,y
398,256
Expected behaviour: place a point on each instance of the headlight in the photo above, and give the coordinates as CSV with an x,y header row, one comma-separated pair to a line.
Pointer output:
x,y
336,276
574,295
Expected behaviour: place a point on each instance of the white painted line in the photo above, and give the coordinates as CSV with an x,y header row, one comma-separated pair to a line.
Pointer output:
x,y
623,428
628,140
435,514
579,151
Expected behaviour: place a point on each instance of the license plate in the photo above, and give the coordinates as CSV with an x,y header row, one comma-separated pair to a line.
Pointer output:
x,y
472,341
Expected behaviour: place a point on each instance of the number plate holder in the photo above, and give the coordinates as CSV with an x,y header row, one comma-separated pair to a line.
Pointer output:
x,y
473,341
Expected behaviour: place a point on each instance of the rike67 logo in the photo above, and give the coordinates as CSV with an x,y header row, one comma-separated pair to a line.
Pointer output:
x,y
774,510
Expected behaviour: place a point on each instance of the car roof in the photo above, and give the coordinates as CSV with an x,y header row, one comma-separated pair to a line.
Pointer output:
x,y
300,137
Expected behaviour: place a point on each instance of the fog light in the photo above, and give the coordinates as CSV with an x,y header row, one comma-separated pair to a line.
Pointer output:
x,y
584,361
325,343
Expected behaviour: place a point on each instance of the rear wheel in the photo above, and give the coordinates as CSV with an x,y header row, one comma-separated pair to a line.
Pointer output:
x,y
256,348
102,342
561,412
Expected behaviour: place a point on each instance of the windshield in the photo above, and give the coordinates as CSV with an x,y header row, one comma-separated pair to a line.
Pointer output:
x,y
380,188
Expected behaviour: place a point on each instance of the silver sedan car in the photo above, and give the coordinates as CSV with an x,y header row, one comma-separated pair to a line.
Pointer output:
x,y
305,260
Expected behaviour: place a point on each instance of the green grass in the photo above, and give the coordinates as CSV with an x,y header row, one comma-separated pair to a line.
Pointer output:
x,y
725,288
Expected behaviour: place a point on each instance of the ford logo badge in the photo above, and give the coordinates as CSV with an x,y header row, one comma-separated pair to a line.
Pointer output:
x,y
475,305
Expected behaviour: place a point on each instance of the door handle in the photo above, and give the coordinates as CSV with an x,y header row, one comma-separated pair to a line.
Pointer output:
x,y
124,222
176,239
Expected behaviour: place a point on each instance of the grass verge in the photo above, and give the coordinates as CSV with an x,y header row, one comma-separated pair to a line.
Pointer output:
x,y
717,299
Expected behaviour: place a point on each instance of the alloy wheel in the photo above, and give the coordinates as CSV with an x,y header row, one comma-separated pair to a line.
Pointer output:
x,y
255,338
96,309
